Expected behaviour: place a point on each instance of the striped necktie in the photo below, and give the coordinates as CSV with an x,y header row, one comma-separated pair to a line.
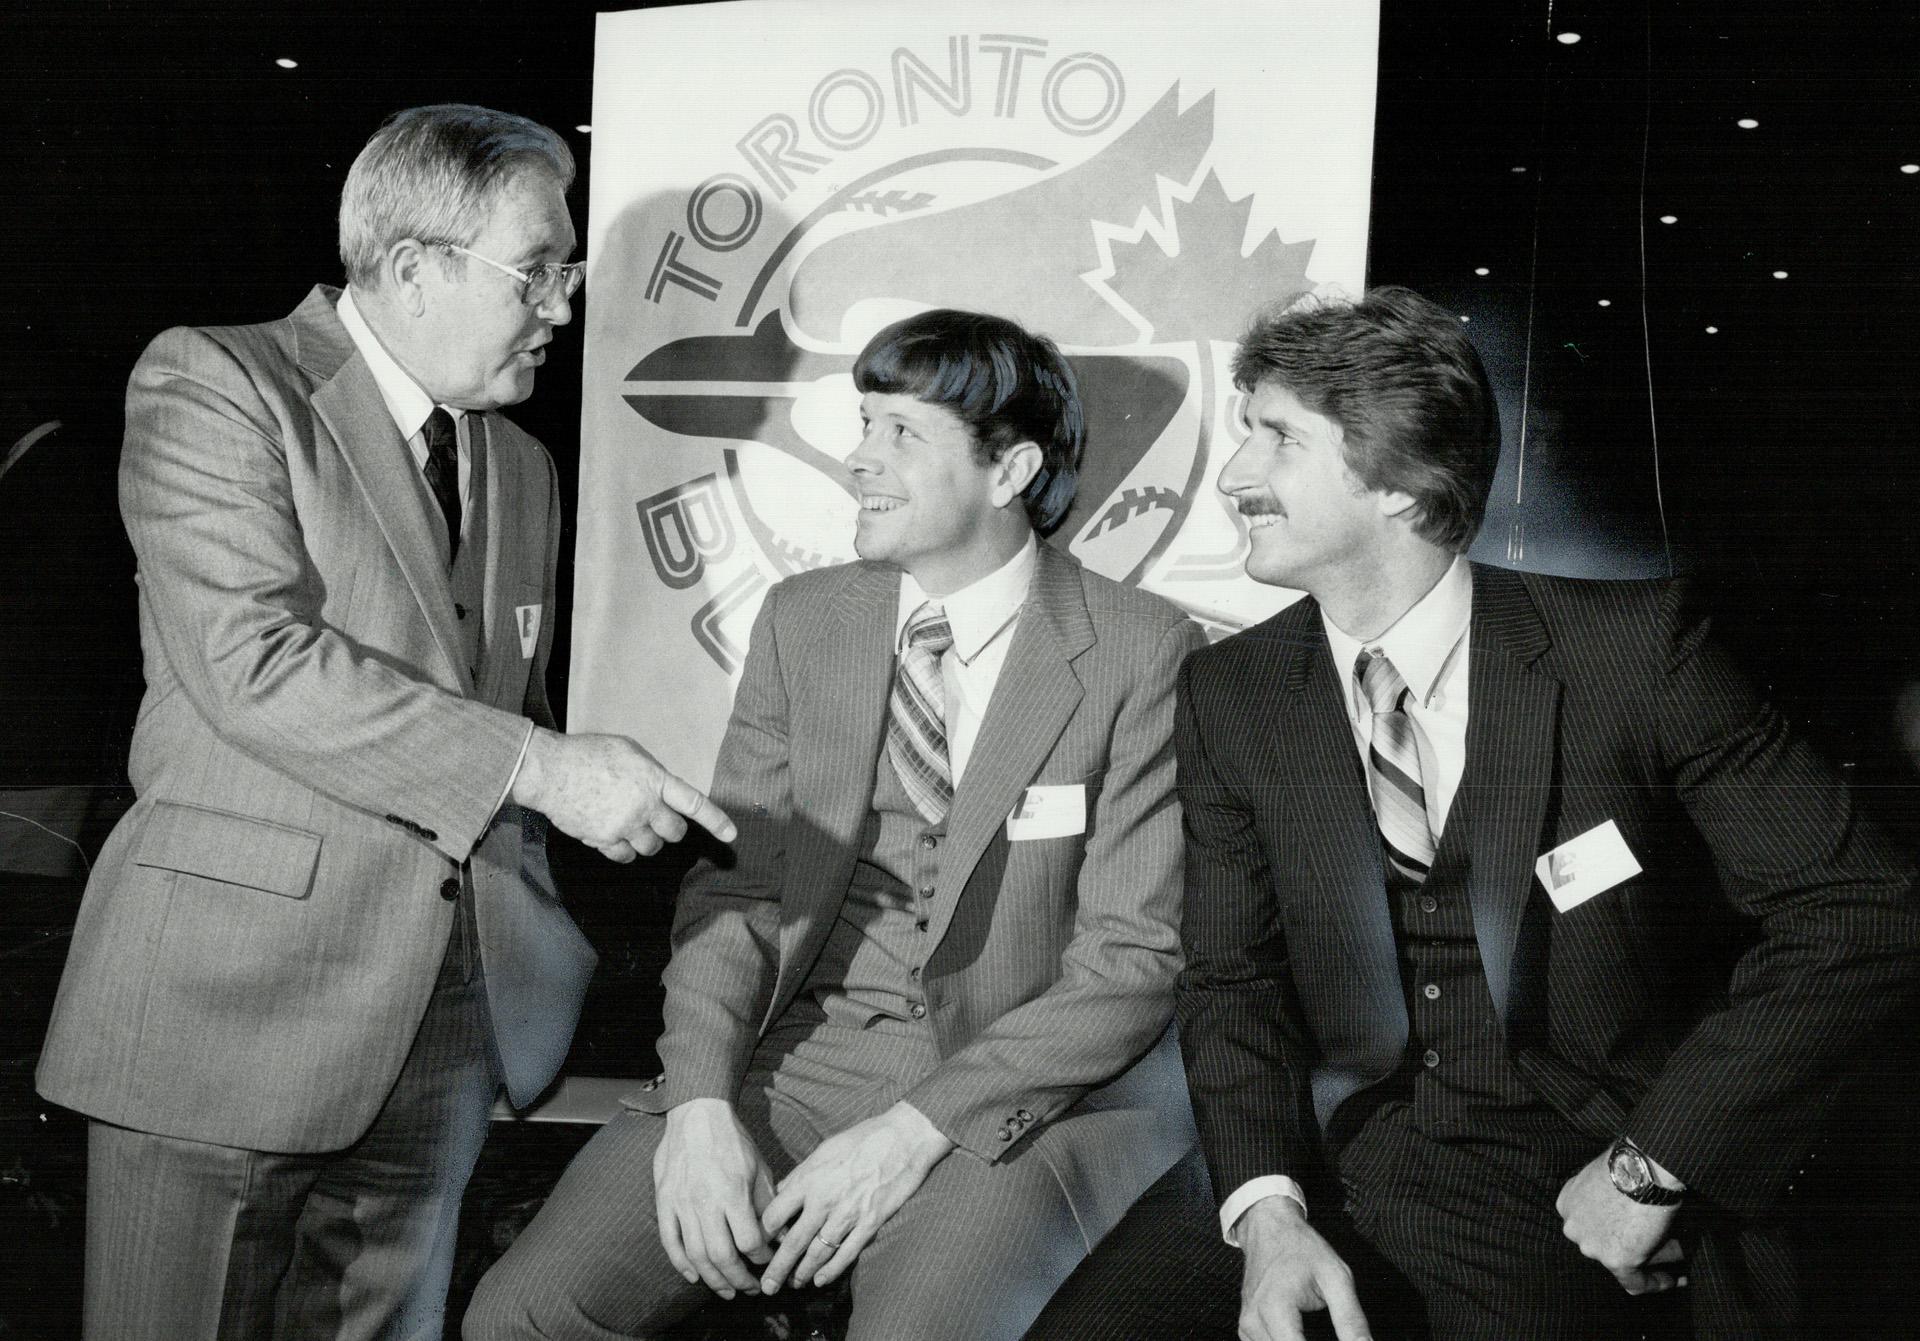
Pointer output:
x,y
1393,769
917,715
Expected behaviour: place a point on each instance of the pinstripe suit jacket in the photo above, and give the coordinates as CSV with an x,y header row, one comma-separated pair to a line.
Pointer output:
x,y
1054,959
313,759
1701,1006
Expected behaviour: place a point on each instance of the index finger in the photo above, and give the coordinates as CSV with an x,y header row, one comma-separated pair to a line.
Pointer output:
x,y
690,801
1343,1309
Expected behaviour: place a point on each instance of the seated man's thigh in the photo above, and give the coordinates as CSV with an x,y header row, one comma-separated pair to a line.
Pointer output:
x,y
974,1255
590,1265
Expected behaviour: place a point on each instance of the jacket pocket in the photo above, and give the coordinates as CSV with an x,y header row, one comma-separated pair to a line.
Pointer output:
x,y
233,849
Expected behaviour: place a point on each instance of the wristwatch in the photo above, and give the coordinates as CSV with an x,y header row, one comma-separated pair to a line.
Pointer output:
x,y
1632,1175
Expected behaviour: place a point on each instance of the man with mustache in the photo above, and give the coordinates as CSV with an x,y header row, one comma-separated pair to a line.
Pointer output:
x,y
1525,940
917,1027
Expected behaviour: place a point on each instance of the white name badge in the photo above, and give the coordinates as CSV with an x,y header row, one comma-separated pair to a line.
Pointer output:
x,y
526,618
1049,812
1591,864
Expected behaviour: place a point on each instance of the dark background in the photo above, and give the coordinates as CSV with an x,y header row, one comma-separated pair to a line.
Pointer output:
x,y
162,169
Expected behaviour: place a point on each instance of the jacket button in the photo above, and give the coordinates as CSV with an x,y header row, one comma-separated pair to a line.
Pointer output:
x,y
914,973
449,889
918,1011
928,891
928,841
459,610
1006,1134
1023,1115
1429,904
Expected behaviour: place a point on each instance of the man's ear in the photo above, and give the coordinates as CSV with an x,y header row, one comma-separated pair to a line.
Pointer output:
x,y
1396,503
402,275
1014,471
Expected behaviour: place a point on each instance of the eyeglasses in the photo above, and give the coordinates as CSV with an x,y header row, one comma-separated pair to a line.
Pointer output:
x,y
547,282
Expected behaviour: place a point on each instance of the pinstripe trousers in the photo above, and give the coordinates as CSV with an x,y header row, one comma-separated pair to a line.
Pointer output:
x,y
188,1241
973,1255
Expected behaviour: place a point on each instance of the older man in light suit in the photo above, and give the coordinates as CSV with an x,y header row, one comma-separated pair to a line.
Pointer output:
x,y
325,934
918,1027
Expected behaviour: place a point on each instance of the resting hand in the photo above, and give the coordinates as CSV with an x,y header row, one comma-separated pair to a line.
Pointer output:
x,y
1618,1232
1290,1270
829,1208
611,794
709,1187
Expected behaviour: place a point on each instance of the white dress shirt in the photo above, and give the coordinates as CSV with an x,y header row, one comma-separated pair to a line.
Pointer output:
x,y
409,404
1428,645
982,615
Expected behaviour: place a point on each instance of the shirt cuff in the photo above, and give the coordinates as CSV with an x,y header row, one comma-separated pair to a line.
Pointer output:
x,y
518,764
1251,1191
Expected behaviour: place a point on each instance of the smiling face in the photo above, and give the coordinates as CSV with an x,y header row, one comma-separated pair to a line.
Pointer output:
x,y
926,504
1311,523
478,344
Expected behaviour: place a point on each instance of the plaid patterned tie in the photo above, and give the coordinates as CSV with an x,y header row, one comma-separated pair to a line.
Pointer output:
x,y
443,473
1393,769
916,715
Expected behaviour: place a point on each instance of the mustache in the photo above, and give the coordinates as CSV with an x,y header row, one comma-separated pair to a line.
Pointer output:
x,y
1259,507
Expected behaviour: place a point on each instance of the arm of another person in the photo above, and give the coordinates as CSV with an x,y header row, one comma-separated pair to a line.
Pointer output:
x,y
710,1182
1247,1056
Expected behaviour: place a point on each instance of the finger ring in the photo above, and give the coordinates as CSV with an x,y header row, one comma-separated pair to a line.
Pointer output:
x,y
822,1238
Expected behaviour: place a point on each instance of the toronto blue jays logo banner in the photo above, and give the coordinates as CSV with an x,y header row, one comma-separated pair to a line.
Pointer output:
x,y
773,181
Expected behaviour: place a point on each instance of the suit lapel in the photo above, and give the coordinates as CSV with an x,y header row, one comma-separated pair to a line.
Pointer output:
x,y
1341,842
1032,703
835,747
1512,727
348,402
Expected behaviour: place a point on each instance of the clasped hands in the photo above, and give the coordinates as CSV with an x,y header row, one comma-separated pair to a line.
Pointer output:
x,y
721,1215
611,794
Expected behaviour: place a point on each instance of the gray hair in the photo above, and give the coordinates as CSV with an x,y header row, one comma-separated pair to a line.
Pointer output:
x,y
436,173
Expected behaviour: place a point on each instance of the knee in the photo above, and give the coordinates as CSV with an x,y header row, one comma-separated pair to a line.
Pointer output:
x,y
499,1312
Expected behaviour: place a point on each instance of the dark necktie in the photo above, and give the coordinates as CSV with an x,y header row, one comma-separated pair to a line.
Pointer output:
x,y
917,715
1393,769
443,474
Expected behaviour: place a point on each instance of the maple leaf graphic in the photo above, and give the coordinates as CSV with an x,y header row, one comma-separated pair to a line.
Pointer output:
x,y
1205,288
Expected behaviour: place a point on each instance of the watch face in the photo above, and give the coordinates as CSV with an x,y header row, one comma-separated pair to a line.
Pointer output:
x,y
1629,1170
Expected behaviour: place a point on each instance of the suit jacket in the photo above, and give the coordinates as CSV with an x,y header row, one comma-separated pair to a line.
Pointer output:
x,y
1054,959
314,760
1702,1006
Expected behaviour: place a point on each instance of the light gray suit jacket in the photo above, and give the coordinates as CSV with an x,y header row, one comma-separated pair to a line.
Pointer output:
x,y
1051,978
313,760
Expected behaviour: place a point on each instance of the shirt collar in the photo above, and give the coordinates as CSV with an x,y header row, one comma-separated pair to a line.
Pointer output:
x,y
978,611
1421,641
406,400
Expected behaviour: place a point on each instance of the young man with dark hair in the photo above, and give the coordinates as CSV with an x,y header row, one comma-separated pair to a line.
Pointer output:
x,y
917,1025
1524,938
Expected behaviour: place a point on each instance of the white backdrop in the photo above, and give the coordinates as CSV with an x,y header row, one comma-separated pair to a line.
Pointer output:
x,y
774,180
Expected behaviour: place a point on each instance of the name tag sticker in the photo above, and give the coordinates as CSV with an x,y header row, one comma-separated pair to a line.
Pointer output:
x,y
1049,812
526,618
1591,864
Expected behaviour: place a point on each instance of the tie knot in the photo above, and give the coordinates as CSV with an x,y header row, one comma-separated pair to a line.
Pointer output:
x,y
928,628
1379,681
438,431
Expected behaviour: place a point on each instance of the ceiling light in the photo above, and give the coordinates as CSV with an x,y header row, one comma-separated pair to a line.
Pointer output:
x,y
584,130
1713,330
1910,168
1747,123
1481,270
1779,274
287,63
1606,302
1669,218
1566,39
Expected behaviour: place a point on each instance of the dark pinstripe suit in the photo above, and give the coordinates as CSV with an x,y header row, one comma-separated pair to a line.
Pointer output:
x,y
1702,1006
1048,978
